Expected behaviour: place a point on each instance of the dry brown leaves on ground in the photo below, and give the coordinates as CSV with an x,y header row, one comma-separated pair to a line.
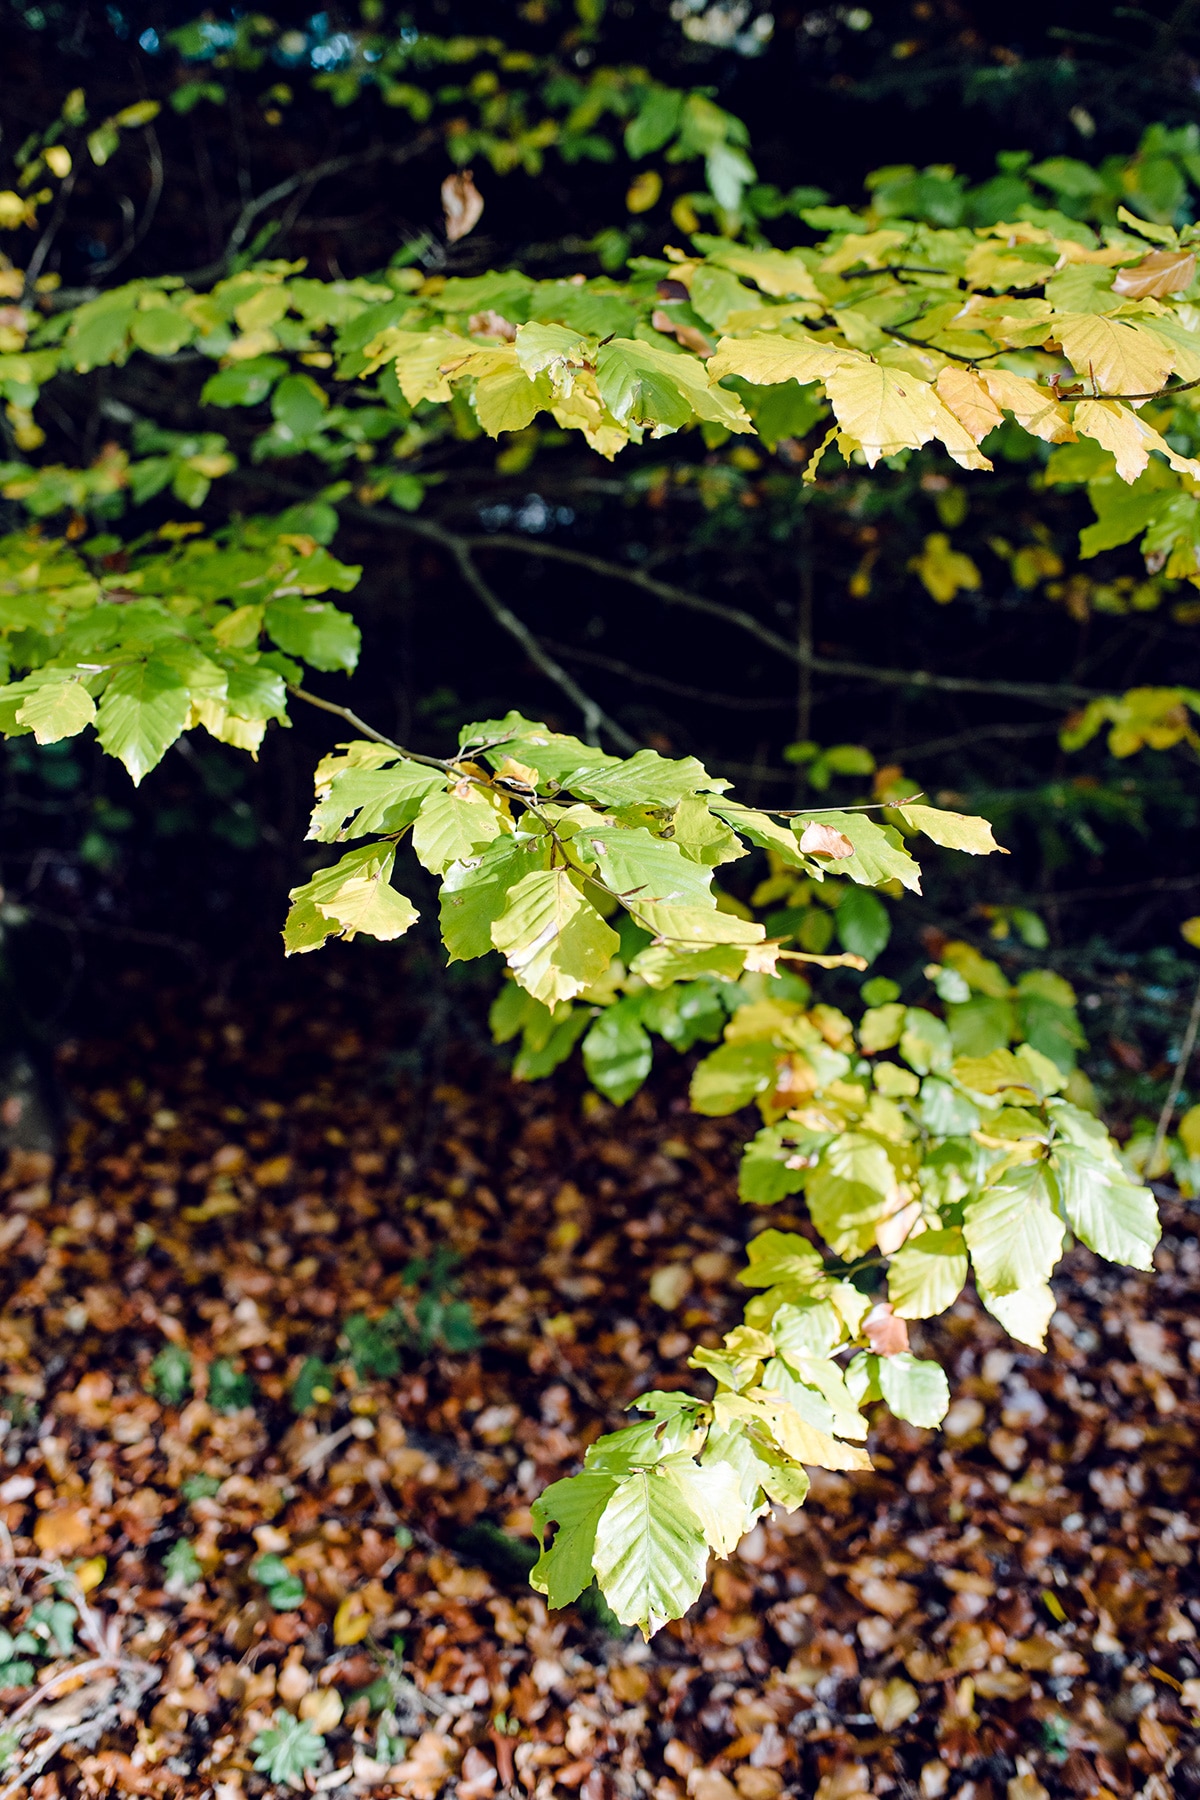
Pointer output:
x,y
1003,1612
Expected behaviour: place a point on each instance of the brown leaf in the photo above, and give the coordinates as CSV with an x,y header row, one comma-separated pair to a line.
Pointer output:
x,y
63,1530
893,1703
687,335
462,203
1159,273
494,325
823,840
886,1334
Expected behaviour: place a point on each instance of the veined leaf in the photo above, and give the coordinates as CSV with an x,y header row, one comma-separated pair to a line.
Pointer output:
x,y
884,410
574,1506
57,709
1113,1217
713,1494
644,779
1012,1230
651,1552
1024,1314
362,800
474,893
955,831
879,853
142,711
638,866
767,358
316,630
781,1259
927,1274
733,1076
452,825
353,895
1118,356
554,941
687,926
915,1390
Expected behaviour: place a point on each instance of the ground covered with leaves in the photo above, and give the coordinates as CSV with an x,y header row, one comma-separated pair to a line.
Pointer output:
x,y
245,1405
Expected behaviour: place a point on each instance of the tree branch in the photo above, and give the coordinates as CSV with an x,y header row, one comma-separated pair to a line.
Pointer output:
x,y
308,178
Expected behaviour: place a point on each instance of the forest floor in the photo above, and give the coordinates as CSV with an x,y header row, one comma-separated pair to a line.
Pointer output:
x,y
1004,1611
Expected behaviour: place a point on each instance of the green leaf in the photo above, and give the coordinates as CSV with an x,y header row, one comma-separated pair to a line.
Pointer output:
x,y
646,779
915,1390
541,1052
766,1173
927,1274
980,1025
228,1390
847,1191
651,1553
805,1327
171,1375
700,834
243,383
475,892
639,867
57,709
1113,1217
684,926
643,385
925,1042
687,1013
286,1749
617,1052
452,825
181,1565
353,895
879,853
554,941
1024,1314
781,1259
360,801
1012,1230
732,1077
574,1505
762,830
298,406
713,1494
316,630
143,710
863,925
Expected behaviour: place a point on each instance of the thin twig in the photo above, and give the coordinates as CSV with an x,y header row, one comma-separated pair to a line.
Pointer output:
x,y
308,178
1041,693
1177,1080
133,238
679,689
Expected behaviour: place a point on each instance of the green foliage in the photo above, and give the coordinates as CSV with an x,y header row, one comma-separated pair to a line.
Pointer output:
x,y
171,1375
181,1566
287,1749
228,1388
932,1137
285,1591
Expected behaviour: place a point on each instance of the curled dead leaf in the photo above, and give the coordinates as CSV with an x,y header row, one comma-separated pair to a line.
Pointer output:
x,y
823,840
1159,273
462,204
690,336
886,1334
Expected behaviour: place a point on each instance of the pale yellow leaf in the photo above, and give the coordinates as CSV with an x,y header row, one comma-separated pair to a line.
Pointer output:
x,y
1032,406
1129,438
884,410
1116,356
964,392
768,358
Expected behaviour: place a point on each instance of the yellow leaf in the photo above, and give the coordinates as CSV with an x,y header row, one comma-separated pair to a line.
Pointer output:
x,y
1190,932
803,1441
62,1530
891,1704
1032,406
767,358
783,273
322,1708
1129,438
90,1574
871,249
351,1622
644,191
943,570
964,392
1116,356
1189,1125
883,410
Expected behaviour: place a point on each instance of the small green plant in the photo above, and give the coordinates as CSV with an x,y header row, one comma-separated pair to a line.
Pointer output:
x,y
181,1566
287,1748
314,1385
10,1743
228,1388
285,1591
51,1624
199,1487
15,1670
171,1375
